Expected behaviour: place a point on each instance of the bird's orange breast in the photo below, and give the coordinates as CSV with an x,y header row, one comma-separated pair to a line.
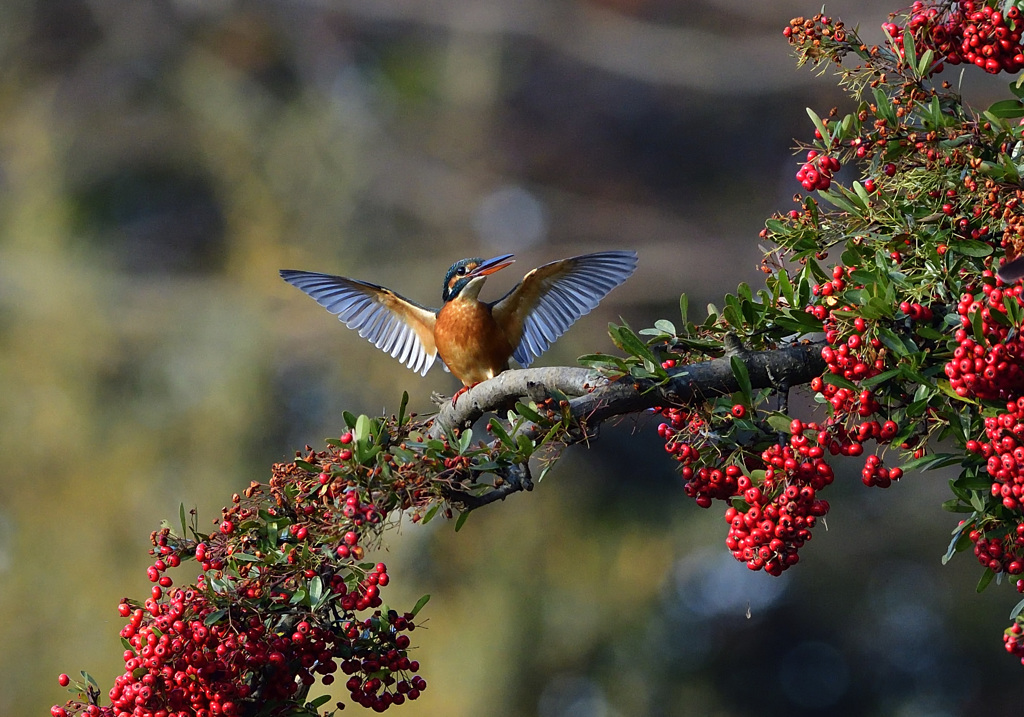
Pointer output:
x,y
470,342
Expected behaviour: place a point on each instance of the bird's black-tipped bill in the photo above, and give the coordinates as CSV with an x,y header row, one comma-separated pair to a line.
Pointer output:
x,y
492,265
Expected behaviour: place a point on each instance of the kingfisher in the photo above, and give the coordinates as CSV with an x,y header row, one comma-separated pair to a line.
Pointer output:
x,y
475,339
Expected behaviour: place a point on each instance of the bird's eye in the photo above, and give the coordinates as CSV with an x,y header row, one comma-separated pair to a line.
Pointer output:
x,y
461,271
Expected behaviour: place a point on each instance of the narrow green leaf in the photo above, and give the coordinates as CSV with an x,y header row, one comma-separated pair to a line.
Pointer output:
x,y
820,126
528,413
465,438
986,578
684,305
632,344
419,605
181,516
89,678
909,51
840,201
215,616
431,512
1017,609
319,702
315,589
739,370
924,65
461,520
970,247
978,326
499,430
402,407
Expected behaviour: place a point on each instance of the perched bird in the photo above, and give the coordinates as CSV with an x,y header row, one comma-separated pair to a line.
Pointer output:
x,y
474,339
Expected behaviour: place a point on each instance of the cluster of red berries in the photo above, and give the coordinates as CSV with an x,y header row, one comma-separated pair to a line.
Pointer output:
x,y
1013,640
703,484
372,683
1000,554
782,511
971,32
988,366
186,658
817,171
1004,454
274,610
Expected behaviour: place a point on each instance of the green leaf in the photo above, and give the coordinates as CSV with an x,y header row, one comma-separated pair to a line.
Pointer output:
x,y
402,407
739,370
499,430
419,605
840,381
181,516
89,678
319,702
307,466
970,247
127,645
362,428
1016,611
986,578
465,438
630,342
955,545
938,460
528,413
684,305
840,201
880,378
315,588
925,63
820,126
978,327
909,51
431,512
215,616
780,422
665,326
461,520
1006,109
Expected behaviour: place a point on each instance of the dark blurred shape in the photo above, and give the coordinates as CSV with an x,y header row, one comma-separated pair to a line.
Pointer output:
x,y
252,44
814,675
154,220
62,32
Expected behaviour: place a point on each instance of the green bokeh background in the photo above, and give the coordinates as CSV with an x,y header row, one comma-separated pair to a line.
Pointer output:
x,y
160,160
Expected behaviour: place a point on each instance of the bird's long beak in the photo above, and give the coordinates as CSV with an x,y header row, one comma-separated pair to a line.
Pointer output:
x,y
492,265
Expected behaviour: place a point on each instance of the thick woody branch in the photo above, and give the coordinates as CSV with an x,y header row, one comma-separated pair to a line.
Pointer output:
x,y
596,399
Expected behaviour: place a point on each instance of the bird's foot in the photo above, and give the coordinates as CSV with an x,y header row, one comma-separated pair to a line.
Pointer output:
x,y
460,392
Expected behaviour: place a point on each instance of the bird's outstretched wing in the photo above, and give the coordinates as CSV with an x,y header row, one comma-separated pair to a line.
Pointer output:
x,y
390,322
552,297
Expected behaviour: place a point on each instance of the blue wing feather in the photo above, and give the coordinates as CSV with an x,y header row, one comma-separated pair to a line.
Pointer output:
x,y
551,298
392,323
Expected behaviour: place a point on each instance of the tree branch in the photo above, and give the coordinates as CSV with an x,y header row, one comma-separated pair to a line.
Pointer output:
x,y
596,399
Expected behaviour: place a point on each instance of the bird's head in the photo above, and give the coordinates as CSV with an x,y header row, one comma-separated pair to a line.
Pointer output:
x,y
467,276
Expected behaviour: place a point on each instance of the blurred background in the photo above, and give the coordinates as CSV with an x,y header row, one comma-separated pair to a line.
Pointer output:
x,y
160,160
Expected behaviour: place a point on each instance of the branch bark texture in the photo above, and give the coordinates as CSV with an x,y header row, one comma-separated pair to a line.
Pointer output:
x,y
595,398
